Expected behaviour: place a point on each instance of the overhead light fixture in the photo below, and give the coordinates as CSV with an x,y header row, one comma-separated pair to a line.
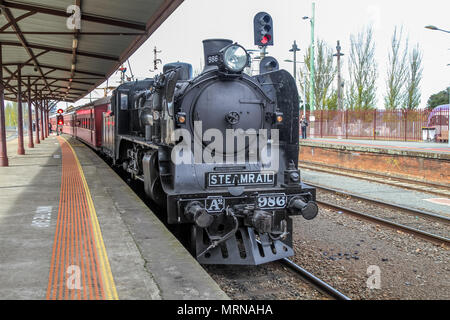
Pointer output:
x,y
431,27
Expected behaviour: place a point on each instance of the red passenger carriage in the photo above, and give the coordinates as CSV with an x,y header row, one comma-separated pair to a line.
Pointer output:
x,y
85,123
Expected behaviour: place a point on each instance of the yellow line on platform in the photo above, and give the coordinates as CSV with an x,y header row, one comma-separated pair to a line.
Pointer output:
x,y
110,287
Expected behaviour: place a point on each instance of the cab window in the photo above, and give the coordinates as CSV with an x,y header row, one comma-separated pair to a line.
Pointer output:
x,y
123,101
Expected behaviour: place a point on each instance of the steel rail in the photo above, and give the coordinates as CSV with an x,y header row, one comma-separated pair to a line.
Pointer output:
x,y
423,234
425,214
315,281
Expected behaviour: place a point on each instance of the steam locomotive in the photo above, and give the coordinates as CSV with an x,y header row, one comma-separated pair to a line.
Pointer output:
x,y
218,151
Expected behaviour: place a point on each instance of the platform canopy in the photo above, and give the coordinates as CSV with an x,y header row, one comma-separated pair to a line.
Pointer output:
x,y
66,64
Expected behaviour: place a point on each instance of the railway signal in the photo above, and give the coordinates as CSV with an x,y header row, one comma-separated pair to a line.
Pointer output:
x,y
59,121
268,64
263,29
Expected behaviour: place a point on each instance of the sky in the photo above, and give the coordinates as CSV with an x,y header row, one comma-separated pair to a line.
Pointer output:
x,y
180,36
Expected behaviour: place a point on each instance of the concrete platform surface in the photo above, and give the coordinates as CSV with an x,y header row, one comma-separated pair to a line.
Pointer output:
x,y
145,259
417,149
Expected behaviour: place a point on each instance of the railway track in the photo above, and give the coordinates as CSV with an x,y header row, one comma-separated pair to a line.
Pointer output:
x,y
411,211
316,282
431,237
380,178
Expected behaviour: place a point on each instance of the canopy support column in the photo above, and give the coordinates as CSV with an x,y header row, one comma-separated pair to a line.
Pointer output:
x,y
3,151
36,112
20,148
30,118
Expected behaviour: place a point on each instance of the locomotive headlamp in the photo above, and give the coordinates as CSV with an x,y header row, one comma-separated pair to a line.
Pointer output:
x,y
235,58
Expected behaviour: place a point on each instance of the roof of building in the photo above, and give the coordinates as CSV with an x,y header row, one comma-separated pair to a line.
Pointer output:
x,y
65,64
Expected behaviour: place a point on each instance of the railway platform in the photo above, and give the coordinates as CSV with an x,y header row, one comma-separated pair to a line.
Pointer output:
x,y
414,161
70,228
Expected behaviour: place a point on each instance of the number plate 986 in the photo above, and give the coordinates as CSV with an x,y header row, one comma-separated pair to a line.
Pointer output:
x,y
272,201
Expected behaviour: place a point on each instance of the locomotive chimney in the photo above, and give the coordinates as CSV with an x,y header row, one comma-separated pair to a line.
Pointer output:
x,y
212,47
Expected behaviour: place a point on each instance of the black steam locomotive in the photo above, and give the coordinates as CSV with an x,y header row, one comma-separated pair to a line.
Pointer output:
x,y
236,195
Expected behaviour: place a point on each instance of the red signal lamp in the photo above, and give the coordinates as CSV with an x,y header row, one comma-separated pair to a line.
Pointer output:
x,y
266,39
60,111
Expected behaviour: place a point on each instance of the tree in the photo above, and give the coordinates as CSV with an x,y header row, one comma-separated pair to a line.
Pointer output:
x,y
363,72
11,114
438,99
397,72
325,72
414,77
332,101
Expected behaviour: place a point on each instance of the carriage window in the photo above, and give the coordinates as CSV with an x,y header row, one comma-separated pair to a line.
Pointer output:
x,y
123,101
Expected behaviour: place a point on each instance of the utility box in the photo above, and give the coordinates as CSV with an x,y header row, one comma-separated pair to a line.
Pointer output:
x,y
428,134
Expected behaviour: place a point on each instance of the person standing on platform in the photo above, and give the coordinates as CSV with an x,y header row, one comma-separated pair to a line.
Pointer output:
x,y
304,124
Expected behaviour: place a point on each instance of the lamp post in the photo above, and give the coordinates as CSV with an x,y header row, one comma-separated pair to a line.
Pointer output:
x,y
312,19
339,54
434,28
295,49
295,62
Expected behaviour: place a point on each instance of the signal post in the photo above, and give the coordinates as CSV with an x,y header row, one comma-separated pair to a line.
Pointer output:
x,y
59,121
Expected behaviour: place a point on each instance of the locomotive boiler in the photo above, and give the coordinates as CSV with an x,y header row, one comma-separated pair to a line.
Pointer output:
x,y
218,151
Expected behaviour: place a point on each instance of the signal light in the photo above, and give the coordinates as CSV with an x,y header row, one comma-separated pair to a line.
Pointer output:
x,y
60,111
265,40
268,64
263,29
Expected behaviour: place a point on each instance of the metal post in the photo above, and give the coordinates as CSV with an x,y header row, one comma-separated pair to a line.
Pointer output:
x,y
41,103
3,151
311,61
346,124
339,55
20,148
30,118
375,124
48,122
448,116
321,123
36,120
406,122
295,49
304,95
46,118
